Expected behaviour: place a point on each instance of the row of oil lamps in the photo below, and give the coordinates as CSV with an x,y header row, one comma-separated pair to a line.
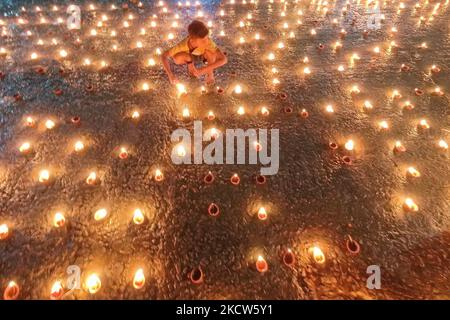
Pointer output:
x,y
93,281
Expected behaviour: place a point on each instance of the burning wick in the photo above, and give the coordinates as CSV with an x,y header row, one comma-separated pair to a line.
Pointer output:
x,y
12,291
44,176
264,111
34,56
262,214
181,152
92,178
186,113
49,124
349,145
145,86
211,116
4,231
59,220
138,216
139,279
135,115
396,94
181,89
442,144
241,111
79,146
93,283
100,214
261,265
237,89
57,291
412,172
410,205
399,147
30,122
383,125
158,175
368,105
25,147
329,108
318,255
123,153
423,124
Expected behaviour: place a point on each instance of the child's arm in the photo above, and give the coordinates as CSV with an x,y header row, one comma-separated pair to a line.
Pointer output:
x,y
221,60
166,64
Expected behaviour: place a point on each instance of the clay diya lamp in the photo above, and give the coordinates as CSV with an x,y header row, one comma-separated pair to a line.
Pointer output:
x,y
213,210
235,180
288,258
352,246
209,178
261,265
347,160
12,291
260,179
304,114
196,276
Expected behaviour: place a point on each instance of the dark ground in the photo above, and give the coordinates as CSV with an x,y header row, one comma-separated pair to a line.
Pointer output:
x,y
314,199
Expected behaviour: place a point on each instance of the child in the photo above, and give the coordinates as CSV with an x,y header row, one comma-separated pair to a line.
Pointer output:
x,y
196,46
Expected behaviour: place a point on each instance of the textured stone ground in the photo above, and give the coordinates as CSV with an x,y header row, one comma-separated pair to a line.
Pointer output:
x,y
315,199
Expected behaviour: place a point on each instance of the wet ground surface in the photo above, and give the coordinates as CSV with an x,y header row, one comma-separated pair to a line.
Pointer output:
x,y
316,199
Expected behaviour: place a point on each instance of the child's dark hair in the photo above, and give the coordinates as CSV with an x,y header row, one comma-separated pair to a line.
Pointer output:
x,y
198,29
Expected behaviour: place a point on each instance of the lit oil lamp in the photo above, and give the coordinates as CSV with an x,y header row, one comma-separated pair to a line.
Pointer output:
x,y
412,172
91,178
355,90
158,175
383,125
181,151
44,176
399,147
306,70
261,264
349,145
241,40
437,92
49,124
186,113
78,146
235,179
423,124
341,68
435,69
139,279
329,109
396,94
138,216
264,111
135,115
181,89
408,105
151,62
443,144
211,116
59,220
57,290
410,206
123,154
63,53
262,213
275,81
145,86
87,62
213,209
100,214
271,56
34,56
4,231
93,283
317,255
25,147
241,111
12,291
288,258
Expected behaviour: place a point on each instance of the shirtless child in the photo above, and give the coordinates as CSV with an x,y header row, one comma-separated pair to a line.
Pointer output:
x,y
197,45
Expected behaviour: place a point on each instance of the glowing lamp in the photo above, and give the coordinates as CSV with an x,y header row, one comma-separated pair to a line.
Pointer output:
x,y
92,178
145,86
12,291
135,115
383,125
25,147
412,172
264,111
181,151
341,68
59,220
4,231
318,255
355,90
49,124
262,213
423,124
307,70
158,175
79,146
34,56
442,144
63,53
410,205
138,216
100,214
139,279
211,116
349,145
241,111
396,94
271,56
329,109
93,283
44,176
261,265
57,291
151,62
181,89
123,154
235,179
399,147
